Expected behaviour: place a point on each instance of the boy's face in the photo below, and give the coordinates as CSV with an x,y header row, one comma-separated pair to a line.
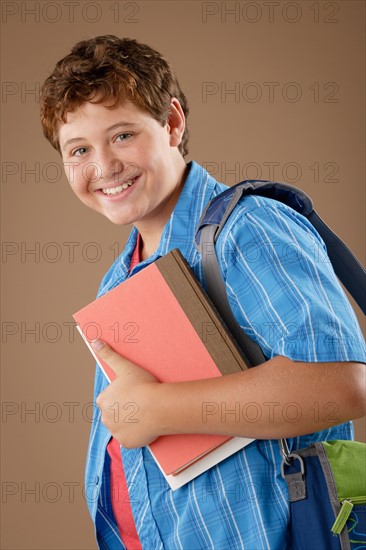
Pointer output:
x,y
122,163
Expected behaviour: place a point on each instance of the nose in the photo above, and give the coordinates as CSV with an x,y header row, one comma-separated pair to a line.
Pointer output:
x,y
108,168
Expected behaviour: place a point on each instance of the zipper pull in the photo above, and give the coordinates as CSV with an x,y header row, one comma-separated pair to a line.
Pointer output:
x,y
342,517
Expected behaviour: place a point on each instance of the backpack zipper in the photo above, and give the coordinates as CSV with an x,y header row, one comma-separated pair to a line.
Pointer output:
x,y
344,513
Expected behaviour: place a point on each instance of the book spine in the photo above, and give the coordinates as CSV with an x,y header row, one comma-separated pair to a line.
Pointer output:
x,y
202,314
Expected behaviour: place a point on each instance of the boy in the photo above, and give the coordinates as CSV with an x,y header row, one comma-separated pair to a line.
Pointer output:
x,y
114,110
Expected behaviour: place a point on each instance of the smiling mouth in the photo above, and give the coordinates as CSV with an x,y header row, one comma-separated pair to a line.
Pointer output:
x,y
118,188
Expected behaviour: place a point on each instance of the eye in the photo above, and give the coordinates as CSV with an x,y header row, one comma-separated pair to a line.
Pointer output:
x,y
78,152
123,137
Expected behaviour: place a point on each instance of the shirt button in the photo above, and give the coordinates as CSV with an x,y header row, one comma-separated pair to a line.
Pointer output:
x,y
97,480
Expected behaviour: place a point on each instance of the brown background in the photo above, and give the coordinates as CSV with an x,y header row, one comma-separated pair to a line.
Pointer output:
x,y
312,127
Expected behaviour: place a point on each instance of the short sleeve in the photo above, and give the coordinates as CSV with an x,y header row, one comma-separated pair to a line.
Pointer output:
x,y
282,287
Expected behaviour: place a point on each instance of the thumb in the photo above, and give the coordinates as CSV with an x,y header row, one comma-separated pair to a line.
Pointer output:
x,y
109,356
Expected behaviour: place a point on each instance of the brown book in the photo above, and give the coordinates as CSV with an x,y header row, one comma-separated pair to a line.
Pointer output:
x,y
161,319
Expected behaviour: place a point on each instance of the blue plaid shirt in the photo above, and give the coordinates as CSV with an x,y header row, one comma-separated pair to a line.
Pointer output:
x,y
285,295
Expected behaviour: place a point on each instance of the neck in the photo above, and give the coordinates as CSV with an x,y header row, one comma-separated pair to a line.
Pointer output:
x,y
148,246
151,231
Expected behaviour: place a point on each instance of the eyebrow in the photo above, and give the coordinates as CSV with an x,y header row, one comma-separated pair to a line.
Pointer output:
x,y
113,127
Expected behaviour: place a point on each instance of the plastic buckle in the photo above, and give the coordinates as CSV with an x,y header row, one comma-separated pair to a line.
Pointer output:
x,y
296,457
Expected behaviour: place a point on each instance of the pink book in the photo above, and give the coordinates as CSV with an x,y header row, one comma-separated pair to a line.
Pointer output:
x,y
161,319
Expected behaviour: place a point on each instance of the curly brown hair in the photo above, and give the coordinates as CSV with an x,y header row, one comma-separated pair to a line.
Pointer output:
x,y
108,68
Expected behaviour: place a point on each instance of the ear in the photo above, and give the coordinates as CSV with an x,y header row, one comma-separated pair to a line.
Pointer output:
x,y
175,123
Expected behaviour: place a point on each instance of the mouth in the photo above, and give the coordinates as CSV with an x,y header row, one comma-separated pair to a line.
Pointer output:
x,y
118,189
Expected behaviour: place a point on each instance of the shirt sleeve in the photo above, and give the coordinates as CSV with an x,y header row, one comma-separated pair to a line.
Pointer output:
x,y
282,287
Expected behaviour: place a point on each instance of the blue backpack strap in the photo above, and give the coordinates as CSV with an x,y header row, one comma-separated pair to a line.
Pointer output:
x,y
346,266
219,208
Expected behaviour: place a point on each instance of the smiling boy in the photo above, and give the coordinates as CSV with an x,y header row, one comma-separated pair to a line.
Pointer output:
x,y
114,110
154,172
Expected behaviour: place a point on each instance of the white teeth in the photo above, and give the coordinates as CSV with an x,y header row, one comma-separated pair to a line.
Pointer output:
x,y
118,189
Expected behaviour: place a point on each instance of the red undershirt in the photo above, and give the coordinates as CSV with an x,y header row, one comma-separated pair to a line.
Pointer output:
x,y
119,492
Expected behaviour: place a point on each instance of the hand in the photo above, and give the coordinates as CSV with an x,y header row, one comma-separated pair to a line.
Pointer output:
x,y
127,404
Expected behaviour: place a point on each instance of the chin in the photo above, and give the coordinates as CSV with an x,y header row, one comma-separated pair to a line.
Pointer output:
x,y
118,220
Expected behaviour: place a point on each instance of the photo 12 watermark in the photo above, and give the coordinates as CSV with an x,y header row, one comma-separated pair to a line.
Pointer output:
x,y
15,171
291,171
270,412
72,492
52,332
251,12
69,412
72,12
270,92
54,252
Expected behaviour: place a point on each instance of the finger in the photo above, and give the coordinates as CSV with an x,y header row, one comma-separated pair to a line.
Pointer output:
x,y
117,363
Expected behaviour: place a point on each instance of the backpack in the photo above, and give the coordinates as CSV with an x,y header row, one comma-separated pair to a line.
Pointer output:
x,y
327,480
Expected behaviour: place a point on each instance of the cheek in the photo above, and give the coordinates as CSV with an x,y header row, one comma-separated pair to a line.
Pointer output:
x,y
80,190
75,177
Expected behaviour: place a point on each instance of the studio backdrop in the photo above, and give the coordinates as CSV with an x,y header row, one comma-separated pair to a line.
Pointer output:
x,y
276,91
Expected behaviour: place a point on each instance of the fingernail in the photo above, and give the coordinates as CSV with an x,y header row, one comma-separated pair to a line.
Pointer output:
x,y
97,344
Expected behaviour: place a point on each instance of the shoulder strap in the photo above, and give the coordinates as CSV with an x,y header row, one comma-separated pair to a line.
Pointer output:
x,y
346,266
